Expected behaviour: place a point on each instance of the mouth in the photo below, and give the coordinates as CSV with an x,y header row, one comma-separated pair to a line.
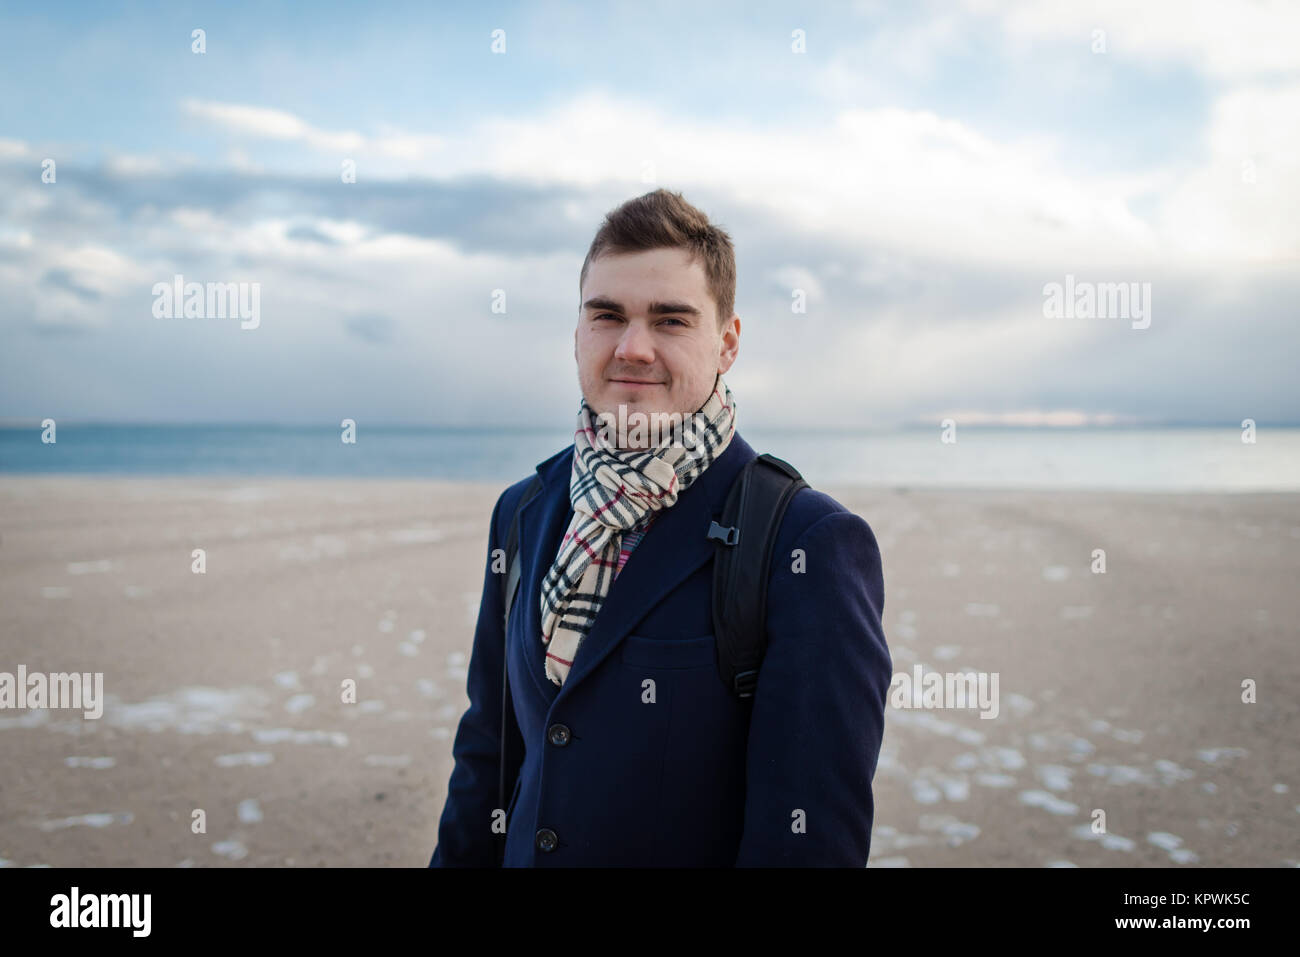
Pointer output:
x,y
635,382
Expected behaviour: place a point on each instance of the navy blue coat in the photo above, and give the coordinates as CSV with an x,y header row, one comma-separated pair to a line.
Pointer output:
x,y
698,777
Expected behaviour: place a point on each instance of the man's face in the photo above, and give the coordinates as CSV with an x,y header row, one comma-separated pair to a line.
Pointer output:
x,y
648,336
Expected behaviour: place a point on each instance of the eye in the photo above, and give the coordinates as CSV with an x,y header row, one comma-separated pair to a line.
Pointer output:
x,y
606,315
678,321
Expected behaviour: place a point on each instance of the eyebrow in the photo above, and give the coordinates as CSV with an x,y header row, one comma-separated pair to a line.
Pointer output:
x,y
654,308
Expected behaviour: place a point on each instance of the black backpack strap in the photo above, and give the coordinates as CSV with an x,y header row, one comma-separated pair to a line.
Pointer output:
x,y
510,587
512,550
746,538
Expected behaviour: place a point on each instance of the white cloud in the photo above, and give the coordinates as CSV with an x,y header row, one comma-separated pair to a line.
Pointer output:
x,y
916,183
792,277
80,281
265,123
239,159
125,164
1244,203
272,124
889,56
1222,39
910,181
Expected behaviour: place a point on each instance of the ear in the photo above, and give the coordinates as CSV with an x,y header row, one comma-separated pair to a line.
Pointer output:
x,y
730,344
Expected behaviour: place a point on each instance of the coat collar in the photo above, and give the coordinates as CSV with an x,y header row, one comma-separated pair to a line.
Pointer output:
x,y
673,548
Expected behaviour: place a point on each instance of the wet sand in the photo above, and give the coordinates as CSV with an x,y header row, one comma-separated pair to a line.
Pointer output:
x,y
1119,691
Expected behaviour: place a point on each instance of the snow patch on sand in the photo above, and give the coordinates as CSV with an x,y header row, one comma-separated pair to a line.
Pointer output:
x,y
249,758
87,820
97,763
1048,802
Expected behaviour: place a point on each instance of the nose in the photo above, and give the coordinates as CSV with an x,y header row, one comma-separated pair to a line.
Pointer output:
x,y
635,345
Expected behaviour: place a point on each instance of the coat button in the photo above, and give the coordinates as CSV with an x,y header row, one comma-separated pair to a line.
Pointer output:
x,y
547,839
559,735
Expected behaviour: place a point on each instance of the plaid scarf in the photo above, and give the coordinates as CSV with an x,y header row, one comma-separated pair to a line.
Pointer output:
x,y
614,491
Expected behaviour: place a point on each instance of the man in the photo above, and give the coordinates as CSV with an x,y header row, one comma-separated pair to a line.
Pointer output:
x,y
634,751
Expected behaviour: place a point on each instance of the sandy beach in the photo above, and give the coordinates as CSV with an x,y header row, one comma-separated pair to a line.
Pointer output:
x,y
1119,691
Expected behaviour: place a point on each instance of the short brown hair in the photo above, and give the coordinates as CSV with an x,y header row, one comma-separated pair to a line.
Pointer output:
x,y
664,219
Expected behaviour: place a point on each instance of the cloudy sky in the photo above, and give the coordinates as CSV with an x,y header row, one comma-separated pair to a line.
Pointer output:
x,y
920,172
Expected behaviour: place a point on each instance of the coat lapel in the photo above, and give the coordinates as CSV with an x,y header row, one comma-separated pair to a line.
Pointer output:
x,y
674,547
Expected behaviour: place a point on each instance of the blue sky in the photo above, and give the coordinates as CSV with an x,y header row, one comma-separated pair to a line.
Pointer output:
x,y
920,171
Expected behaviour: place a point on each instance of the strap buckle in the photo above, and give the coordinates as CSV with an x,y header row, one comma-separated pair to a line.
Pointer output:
x,y
744,683
727,534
